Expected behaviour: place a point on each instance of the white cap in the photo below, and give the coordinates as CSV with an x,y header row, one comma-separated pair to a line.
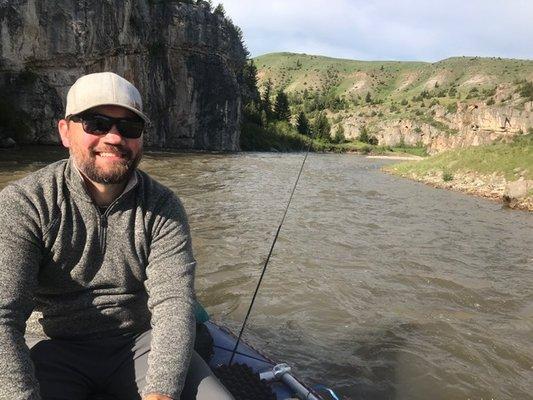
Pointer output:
x,y
103,88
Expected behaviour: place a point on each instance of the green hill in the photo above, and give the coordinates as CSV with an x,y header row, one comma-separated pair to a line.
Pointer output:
x,y
391,80
457,102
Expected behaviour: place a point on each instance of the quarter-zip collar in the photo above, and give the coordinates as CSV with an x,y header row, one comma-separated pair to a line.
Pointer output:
x,y
77,184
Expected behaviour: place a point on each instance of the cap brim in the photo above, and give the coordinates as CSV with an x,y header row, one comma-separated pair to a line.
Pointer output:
x,y
137,112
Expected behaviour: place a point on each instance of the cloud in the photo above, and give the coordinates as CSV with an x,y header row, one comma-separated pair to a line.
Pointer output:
x,y
387,29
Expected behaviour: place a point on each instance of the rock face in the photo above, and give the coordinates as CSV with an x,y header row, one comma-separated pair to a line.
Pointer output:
x,y
185,60
470,125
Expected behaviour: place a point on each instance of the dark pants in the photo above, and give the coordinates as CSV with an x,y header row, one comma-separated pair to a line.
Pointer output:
x,y
115,367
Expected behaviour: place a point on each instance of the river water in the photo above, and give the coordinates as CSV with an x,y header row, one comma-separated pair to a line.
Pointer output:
x,y
379,287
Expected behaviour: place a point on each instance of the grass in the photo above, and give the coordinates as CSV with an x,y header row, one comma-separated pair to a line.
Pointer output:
x,y
511,160
390,79
420,151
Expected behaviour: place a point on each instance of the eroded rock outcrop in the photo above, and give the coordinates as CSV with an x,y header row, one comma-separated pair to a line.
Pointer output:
x,y
185,60
472,124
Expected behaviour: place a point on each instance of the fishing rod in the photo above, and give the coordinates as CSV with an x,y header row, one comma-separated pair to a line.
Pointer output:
x,y
270,253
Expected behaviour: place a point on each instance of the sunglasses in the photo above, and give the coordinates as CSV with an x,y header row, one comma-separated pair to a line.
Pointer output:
x,y
98,124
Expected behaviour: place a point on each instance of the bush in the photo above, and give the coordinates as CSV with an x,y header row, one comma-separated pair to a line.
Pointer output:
x,y
366,149
339,135
276,136
451,108
526,90
364,136
447,176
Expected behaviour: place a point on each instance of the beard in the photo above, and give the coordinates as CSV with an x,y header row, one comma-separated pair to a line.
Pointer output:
x,y
119,172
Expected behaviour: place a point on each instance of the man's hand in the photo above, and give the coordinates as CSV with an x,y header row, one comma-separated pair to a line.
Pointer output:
x,y
155,396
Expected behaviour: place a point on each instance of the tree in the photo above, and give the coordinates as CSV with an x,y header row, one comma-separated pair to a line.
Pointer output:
x,y
251,113
321,127
363,134
266,103
219,10
281,107
339,134
249,79
368,98
366,137
302,124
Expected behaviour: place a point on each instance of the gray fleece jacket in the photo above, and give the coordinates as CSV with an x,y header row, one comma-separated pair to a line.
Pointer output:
x,y
94,275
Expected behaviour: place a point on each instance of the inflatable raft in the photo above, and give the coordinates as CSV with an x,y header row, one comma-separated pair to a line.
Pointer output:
x,y
252,375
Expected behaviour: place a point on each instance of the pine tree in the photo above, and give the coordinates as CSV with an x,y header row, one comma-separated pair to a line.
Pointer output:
x,y
219,10
322,127
266,103
249,78
281,107
368,98
339,134
302,124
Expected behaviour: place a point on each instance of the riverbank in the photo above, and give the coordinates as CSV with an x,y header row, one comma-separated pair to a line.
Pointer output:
x,y
501,172
493,187
282,137
396,157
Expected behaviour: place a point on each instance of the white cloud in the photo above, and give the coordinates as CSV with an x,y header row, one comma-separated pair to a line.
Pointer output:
x,y
387,29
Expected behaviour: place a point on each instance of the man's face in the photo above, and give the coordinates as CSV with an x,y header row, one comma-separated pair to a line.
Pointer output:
x,y
103,159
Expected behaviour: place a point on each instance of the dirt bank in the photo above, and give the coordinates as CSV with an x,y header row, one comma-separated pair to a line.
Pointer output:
x,y
493,187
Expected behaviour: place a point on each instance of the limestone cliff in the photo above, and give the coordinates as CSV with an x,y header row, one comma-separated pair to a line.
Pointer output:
x,y
471,124
185,60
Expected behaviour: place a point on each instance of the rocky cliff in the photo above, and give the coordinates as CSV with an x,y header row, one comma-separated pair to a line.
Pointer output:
x,y
185,60
471,125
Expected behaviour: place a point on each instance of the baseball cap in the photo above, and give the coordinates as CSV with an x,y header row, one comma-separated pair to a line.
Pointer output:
x,y
103,88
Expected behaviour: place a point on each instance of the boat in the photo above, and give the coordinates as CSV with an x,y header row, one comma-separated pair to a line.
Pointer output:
x,y
251,374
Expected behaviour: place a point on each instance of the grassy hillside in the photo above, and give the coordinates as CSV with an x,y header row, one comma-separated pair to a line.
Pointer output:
x,y
509,160
392,81
488,171
406,103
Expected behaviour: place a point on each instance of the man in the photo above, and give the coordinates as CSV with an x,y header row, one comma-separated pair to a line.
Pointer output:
x,y
103,253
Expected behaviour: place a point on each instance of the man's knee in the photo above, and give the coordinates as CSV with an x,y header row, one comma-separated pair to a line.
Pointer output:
x,y
202,384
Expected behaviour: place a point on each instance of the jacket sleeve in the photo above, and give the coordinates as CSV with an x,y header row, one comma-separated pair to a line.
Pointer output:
x,y
20,254
170,288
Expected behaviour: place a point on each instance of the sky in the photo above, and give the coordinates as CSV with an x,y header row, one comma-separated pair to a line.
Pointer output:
x,y
417,30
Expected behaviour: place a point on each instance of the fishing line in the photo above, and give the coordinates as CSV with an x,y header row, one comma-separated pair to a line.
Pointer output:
x,y
269,254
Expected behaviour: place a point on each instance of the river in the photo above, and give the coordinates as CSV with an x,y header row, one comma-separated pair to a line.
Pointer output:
x,y
379,287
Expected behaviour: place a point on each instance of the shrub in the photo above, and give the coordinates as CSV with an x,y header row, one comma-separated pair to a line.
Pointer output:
x,y
364,136
366,149
451,108
447,176
526,90
339,134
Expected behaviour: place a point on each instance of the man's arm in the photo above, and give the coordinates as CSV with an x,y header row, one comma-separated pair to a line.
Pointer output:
x,y
20,252
170,287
